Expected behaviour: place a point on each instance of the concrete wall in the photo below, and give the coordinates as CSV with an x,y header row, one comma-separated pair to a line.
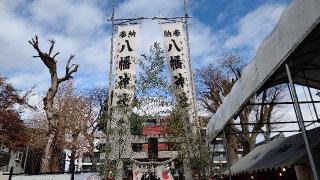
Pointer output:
x,y
81,176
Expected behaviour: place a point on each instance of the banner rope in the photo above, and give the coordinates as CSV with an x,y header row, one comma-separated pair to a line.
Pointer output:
x,y
153,162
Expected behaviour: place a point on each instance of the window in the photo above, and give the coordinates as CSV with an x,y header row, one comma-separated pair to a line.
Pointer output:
x,y
101,147
150,122
86,158
137,147
4,148
19,156
86,168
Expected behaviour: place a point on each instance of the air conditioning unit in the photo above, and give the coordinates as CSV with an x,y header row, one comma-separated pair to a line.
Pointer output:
x,y
19,156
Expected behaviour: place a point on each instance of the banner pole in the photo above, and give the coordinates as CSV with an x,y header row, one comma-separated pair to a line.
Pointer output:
x,y
189,62
107,124
111,60
188,46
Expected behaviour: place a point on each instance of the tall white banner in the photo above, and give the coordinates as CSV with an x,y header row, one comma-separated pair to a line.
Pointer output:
x,y
175,46
125,64
125,69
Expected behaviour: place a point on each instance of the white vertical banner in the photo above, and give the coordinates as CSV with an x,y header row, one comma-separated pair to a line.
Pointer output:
x,y
125,64
125,69
175,46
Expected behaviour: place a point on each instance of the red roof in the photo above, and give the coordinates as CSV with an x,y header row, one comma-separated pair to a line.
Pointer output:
x,y
154,130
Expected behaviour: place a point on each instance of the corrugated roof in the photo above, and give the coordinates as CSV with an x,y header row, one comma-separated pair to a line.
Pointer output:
x,y
282,152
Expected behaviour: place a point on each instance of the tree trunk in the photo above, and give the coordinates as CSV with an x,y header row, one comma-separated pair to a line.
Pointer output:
x,y
47,154
72,164
57,149
231,145
246,146
249,144
253,140
55,158
232,149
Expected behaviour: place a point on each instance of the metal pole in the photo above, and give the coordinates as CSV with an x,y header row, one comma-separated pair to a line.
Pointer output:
x,y
227,153
72,171
189,58
25,159
150,18
11,173
300,102
299,116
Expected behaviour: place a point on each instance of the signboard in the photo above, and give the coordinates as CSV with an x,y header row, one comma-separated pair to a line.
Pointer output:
x,y
175,46
125,69
125,64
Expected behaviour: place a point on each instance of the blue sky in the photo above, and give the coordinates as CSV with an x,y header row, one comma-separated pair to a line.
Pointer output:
x,y
79,27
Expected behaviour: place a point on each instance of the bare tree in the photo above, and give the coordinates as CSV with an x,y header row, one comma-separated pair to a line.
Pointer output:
x,y
52,153
215,82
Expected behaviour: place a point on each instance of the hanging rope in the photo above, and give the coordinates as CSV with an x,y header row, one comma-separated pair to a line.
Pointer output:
x,y
153,162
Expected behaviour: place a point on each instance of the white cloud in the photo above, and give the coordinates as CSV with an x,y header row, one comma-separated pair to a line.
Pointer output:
x,y
221,16
26,80
70,17
149,30
203,41
77,27
255,26
147,8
